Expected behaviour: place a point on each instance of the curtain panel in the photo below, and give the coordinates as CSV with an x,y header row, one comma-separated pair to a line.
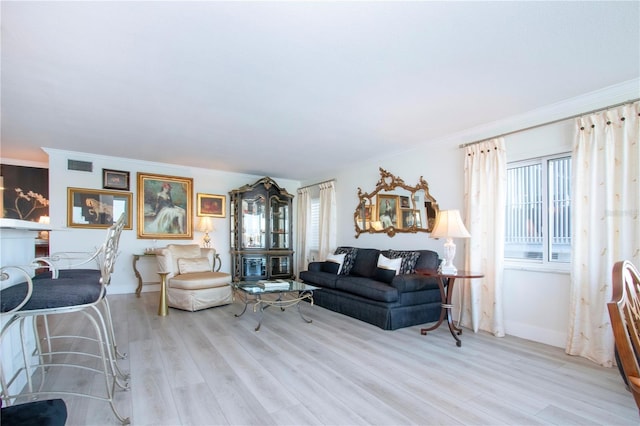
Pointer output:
x,y
303,230
485,172
606,202
328,220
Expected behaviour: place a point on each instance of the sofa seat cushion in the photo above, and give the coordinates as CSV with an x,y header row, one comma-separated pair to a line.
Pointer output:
x,y
319,278
200,280
366,287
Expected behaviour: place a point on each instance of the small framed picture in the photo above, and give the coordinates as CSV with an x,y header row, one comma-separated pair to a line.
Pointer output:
x,y
404,202
211,205
115,179
94,208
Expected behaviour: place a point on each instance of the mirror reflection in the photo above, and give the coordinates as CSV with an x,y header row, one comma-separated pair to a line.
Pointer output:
x,y
393,206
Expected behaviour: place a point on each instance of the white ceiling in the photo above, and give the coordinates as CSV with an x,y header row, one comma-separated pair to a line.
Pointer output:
x,y
287,89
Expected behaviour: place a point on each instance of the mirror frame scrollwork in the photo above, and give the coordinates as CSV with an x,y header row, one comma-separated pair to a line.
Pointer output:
x,y
387,186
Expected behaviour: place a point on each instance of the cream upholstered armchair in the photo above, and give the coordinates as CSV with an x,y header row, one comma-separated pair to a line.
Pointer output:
x,y
193,280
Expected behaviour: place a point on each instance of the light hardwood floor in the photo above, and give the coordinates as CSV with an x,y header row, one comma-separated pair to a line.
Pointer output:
x,y
209,367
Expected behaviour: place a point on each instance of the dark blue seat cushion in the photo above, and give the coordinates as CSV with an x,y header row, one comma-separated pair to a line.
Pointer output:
x,y
366,287
51,412
49,293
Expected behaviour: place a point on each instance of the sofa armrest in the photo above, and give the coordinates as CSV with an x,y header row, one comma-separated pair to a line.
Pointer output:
x,y
414,282
315,266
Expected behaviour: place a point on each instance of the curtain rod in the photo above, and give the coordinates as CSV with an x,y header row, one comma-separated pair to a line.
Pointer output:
x,y
319,183
464,145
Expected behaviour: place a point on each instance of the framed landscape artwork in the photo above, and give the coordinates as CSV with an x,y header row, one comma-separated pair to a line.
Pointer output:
x,y
115,179
211,205
165,207
95,208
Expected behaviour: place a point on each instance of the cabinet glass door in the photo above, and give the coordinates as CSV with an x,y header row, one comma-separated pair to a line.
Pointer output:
x,y
279,223
253,222
280,266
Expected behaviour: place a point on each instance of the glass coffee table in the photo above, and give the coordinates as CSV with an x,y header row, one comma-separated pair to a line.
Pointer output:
x,y
286,293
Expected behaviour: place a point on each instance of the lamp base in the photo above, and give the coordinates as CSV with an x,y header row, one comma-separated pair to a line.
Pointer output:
x,y
449,270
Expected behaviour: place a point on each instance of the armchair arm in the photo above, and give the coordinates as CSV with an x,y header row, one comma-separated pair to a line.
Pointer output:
x,y
165,262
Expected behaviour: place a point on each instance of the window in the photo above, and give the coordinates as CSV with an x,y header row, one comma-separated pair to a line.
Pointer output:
x,y
314,242
538,210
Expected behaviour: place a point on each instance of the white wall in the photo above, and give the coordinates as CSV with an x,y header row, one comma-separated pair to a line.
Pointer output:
x,y
536,300
74,239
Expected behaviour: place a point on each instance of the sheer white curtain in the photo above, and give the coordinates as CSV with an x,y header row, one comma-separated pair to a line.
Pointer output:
x,y
606,203
303,231
485,172
328,216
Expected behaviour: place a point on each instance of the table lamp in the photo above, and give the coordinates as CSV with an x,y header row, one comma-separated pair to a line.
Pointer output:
x,y
449,225
205,226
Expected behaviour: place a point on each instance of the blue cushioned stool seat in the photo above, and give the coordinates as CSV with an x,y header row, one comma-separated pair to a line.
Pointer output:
x,y
51,412
49,293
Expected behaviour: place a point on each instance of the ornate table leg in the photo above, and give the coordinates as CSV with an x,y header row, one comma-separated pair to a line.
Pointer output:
x,y
446,310
136,257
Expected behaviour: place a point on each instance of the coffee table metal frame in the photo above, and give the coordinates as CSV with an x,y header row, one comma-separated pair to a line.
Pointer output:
x,y
251,292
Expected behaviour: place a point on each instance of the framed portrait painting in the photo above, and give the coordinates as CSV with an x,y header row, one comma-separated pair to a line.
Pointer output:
x,y
388,210
164,207
211,205
95,208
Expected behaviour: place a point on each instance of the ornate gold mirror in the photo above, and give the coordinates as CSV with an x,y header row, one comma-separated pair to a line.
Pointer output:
x,y
393,206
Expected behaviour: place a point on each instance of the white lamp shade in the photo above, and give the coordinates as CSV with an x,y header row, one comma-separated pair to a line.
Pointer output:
x,y
449,225
205,225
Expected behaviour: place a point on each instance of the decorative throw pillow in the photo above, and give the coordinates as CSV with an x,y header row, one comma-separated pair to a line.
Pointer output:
x,y
409,259
197,264
349,259
331,261
390,264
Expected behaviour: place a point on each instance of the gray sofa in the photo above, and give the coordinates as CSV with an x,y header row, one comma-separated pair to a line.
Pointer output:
x,y
364,291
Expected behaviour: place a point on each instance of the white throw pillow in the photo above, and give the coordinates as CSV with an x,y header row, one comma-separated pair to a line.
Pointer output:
x,y
336,258
198,264
392,264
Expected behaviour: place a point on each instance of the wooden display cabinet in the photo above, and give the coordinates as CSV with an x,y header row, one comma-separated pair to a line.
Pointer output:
x,y
261,231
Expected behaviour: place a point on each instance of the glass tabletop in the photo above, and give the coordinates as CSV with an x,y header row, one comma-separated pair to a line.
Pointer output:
x,y
272,286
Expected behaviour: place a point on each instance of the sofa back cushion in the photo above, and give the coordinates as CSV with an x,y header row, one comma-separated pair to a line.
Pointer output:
x,y
365,263
428,260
